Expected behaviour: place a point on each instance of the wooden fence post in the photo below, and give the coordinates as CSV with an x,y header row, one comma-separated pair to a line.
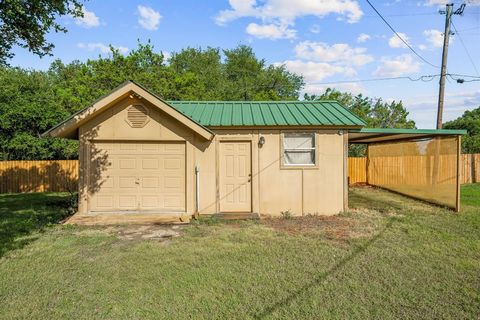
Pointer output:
x,y
473,169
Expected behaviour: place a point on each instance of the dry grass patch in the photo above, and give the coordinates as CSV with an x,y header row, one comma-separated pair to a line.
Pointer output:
x,y
134,232
357,223
336,226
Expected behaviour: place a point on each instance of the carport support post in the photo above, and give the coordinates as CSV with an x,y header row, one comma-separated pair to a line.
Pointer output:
x,y
367,166
436,161
459,154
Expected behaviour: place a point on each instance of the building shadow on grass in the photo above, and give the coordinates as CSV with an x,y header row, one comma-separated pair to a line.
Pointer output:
x,y
321,277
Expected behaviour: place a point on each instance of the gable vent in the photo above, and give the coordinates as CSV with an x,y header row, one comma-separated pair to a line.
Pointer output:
x,y
137,116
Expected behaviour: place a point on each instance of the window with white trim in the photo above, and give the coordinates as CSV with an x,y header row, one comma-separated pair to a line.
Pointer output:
x,y
299,149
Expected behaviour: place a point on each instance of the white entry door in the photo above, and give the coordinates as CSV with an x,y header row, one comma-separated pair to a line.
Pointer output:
x,y
235,177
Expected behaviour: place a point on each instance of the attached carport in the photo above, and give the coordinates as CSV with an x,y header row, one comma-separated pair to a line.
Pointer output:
x,y
420,163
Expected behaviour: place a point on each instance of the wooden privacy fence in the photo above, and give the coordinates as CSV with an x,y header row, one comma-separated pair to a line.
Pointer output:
x,y
62,175
38,176
357,170
469,169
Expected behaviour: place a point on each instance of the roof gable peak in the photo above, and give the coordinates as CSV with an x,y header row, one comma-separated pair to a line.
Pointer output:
x,y
68,128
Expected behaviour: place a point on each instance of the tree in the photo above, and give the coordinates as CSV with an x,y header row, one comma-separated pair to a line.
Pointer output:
x,y
470,121
249,78
33,101
206,65
26,23
27,109
375,112
78,84
389,115
359,105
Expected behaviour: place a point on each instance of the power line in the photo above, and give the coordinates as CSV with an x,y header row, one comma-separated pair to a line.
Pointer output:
x,y
461,80
469,29
465,47
404,15
425,78
463,75
403,40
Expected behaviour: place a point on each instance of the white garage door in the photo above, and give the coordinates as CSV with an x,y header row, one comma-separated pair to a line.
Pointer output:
x,y
137,176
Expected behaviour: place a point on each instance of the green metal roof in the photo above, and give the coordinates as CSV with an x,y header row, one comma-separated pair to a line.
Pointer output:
x,y
267,113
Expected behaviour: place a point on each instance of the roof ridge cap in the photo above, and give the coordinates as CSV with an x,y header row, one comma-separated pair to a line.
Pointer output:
x,y
253,101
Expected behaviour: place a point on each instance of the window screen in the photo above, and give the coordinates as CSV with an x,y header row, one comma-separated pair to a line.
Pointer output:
x,y
299,149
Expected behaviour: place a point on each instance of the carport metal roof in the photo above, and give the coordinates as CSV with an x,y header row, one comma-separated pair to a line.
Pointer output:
x,y
373,135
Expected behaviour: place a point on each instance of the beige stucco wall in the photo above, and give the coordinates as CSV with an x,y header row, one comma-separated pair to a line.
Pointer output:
x,y
318,190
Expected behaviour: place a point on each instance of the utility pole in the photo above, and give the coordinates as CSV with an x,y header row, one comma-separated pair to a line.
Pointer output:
x,y
443,71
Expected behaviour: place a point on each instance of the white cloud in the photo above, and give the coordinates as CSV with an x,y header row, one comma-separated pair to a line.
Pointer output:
x,y
103,48
338,52
89,19
396,42
362,37
317,61
423,108
354,88
270,31
283,13
316,71
434,37
392,3
149,18
397,66
422,47
289,10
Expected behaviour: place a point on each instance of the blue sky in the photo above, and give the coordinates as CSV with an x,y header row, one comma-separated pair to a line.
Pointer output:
x,y
325,40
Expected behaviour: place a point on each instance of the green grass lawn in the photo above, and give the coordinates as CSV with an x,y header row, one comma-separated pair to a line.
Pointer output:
x,y
389,257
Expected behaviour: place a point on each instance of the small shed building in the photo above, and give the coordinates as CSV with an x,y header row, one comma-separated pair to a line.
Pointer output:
x,y
145,159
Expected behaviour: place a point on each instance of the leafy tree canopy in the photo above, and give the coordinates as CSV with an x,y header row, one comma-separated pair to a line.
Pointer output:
x,y
31,102
375,112
26,23
470,121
